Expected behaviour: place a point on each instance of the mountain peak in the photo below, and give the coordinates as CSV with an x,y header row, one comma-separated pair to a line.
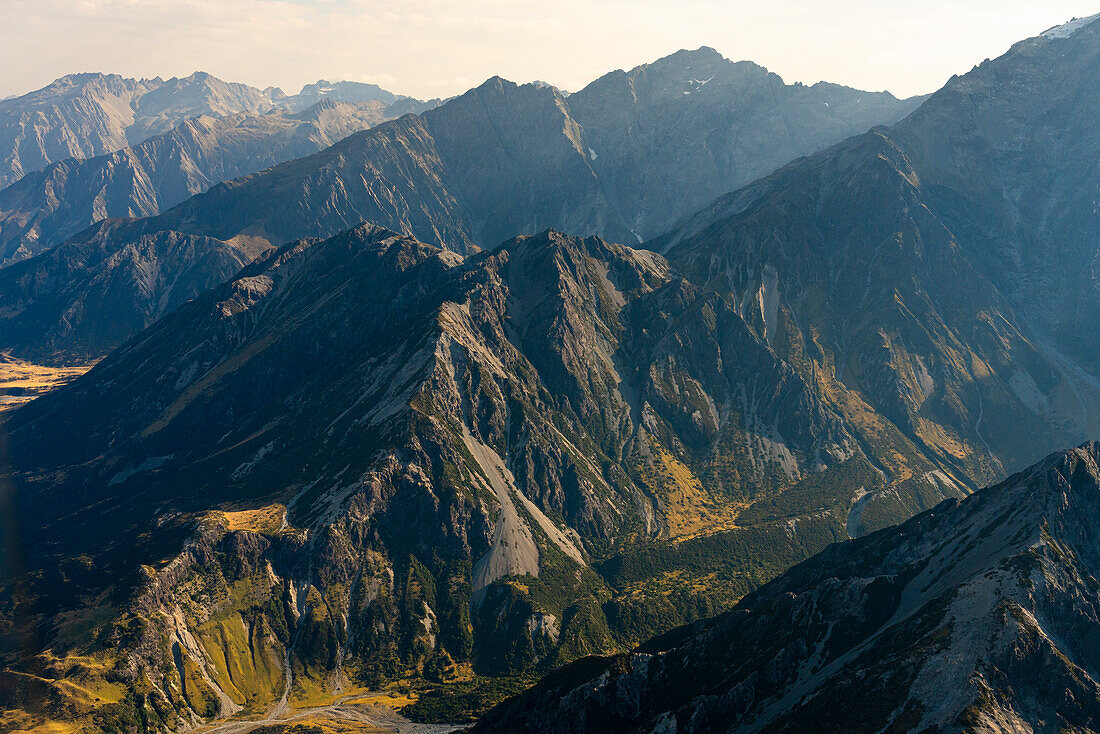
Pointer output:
x,y
703,53
497,82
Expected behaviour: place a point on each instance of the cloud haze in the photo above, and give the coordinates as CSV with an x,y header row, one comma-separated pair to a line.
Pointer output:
x,y
430,48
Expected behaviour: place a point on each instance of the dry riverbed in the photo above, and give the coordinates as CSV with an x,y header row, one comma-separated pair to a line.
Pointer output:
x,y
353,714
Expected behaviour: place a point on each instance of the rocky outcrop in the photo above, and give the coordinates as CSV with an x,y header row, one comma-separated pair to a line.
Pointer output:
x,y
499,161
80,299
503,160
87,115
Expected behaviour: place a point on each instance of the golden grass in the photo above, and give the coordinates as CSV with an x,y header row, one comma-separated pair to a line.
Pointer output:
x,y
327,725
75,685
690,511
17,375
310,692
393,700
661,584
21,722
262,520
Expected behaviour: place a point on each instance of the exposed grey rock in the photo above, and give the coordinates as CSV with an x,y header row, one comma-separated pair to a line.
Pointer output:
x,y
939,269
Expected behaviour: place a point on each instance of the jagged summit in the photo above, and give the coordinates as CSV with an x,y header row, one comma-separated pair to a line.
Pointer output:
x,y
46,207
347,454
949,197
85,115
487,427
344,91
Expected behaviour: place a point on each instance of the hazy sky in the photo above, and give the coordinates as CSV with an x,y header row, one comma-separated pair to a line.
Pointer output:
x,y
433,48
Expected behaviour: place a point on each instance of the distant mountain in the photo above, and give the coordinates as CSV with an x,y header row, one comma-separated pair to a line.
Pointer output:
x,y
939,271
44,208
86,115
664,137
502,160
388,458
352,92
977,616
498,161
367,459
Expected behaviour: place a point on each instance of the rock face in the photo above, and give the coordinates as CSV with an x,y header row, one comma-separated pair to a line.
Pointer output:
x,y
978,616
664,137
85,115
938,269
46,207
368,457
388,458
88,115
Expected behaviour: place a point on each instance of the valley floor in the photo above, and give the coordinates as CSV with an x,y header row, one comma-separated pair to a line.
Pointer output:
x,y
21,382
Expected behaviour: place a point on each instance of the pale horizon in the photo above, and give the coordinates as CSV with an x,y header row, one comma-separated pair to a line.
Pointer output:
x,y
440,48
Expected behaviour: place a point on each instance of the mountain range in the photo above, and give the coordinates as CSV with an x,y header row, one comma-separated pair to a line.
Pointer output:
x,y
477,455
85,115
322,456
47,207
499,161
627,156
936,268
91,114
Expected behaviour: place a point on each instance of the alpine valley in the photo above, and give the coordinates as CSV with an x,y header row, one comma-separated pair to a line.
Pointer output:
x,y
669,389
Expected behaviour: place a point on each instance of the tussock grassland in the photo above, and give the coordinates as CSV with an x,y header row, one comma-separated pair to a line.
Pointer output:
x,y
21,382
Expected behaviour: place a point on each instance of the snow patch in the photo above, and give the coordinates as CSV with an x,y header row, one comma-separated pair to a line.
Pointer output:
x,y
1068,29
